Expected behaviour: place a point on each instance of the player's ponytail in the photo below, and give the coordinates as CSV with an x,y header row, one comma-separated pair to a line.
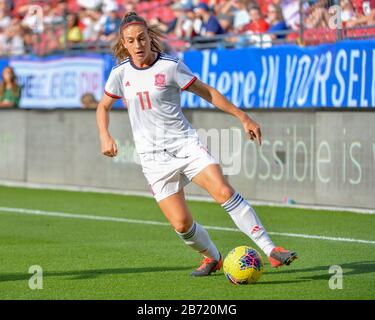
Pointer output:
x,y
119,50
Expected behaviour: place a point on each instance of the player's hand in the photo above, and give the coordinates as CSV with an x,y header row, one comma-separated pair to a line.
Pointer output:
x,y
108,146
252,130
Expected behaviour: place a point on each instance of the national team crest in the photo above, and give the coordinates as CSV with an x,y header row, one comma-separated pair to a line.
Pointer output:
x,y
160,80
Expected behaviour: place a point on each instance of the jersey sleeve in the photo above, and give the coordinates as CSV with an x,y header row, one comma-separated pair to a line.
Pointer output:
x,y
113,87
184,76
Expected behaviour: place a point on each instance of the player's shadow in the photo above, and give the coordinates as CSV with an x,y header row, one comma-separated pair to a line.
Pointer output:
x,y
90,274
349,269
220,274
261,282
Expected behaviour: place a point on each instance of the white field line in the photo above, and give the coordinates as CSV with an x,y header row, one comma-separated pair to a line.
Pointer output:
x,y
31,185
114,219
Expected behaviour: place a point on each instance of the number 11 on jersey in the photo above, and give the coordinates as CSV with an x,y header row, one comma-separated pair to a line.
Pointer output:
x,y
141,96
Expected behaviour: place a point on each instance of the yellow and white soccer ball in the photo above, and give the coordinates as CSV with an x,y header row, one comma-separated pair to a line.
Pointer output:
x,y
243,265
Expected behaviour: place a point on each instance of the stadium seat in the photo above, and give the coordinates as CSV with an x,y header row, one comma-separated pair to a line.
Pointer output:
x,y
155,4
73,6
360,33
315,36
165,14
141,7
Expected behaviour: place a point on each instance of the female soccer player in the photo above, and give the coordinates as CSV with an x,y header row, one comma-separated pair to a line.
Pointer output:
x,y
171,153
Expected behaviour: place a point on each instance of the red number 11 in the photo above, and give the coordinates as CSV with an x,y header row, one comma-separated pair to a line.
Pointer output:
x,y
141,99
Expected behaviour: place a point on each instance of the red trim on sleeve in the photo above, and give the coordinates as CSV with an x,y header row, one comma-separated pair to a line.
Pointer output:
x,y
112,95
189,83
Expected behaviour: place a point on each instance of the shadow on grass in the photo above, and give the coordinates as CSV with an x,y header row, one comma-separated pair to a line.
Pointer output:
x,y
261,282
89,274
282,281
349,269
297,275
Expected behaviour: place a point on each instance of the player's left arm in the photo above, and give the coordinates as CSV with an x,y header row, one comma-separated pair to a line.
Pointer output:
x,y
213,96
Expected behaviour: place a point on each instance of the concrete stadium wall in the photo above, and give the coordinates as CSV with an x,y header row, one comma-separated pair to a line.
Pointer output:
x,y
325,158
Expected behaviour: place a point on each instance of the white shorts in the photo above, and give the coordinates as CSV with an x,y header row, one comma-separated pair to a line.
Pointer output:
x,y
167,173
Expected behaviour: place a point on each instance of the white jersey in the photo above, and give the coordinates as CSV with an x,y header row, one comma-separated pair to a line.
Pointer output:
x,y
152,96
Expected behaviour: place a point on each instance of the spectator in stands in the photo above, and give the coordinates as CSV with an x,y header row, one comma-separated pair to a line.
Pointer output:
x,y
291,12
90,4
10,91
369,12
197,21
210,24
73,34
175,25
317,16
93,23
257,24
226,21
11,40
129,6
276,21
34,19
253,32
50,16
239,12
365,14
347,12
111,23
88,101
48,43
368,6
62,9
87,22
183,24
4,15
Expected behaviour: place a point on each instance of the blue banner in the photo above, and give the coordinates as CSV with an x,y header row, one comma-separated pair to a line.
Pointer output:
x,y
336,75
288,76
60,81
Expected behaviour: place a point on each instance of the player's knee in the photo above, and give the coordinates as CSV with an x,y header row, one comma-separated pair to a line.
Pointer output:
x,y
224,193
183,226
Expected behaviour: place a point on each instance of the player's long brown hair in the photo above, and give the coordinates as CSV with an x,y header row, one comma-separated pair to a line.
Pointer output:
x,y
120,52
15,87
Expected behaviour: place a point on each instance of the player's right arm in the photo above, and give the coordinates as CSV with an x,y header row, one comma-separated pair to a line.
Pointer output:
x,y
108,144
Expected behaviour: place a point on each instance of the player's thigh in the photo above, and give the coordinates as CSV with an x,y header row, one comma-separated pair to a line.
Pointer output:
x,y
213,181
176,211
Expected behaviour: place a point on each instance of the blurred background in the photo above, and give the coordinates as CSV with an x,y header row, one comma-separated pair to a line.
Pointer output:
x,y
48,27
305,70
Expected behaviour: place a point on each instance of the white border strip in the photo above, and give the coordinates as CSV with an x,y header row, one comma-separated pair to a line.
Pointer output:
x,y
7,183
114,219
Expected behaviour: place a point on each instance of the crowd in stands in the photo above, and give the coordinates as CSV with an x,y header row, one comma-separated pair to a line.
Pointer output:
x,y
44,27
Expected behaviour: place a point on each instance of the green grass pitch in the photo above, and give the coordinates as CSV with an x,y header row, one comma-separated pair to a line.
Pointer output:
x,y
99,259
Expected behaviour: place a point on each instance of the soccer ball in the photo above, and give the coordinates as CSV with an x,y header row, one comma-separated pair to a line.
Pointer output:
x,y
243,265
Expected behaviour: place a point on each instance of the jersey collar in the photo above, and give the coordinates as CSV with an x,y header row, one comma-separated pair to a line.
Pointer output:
x,y
145,68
